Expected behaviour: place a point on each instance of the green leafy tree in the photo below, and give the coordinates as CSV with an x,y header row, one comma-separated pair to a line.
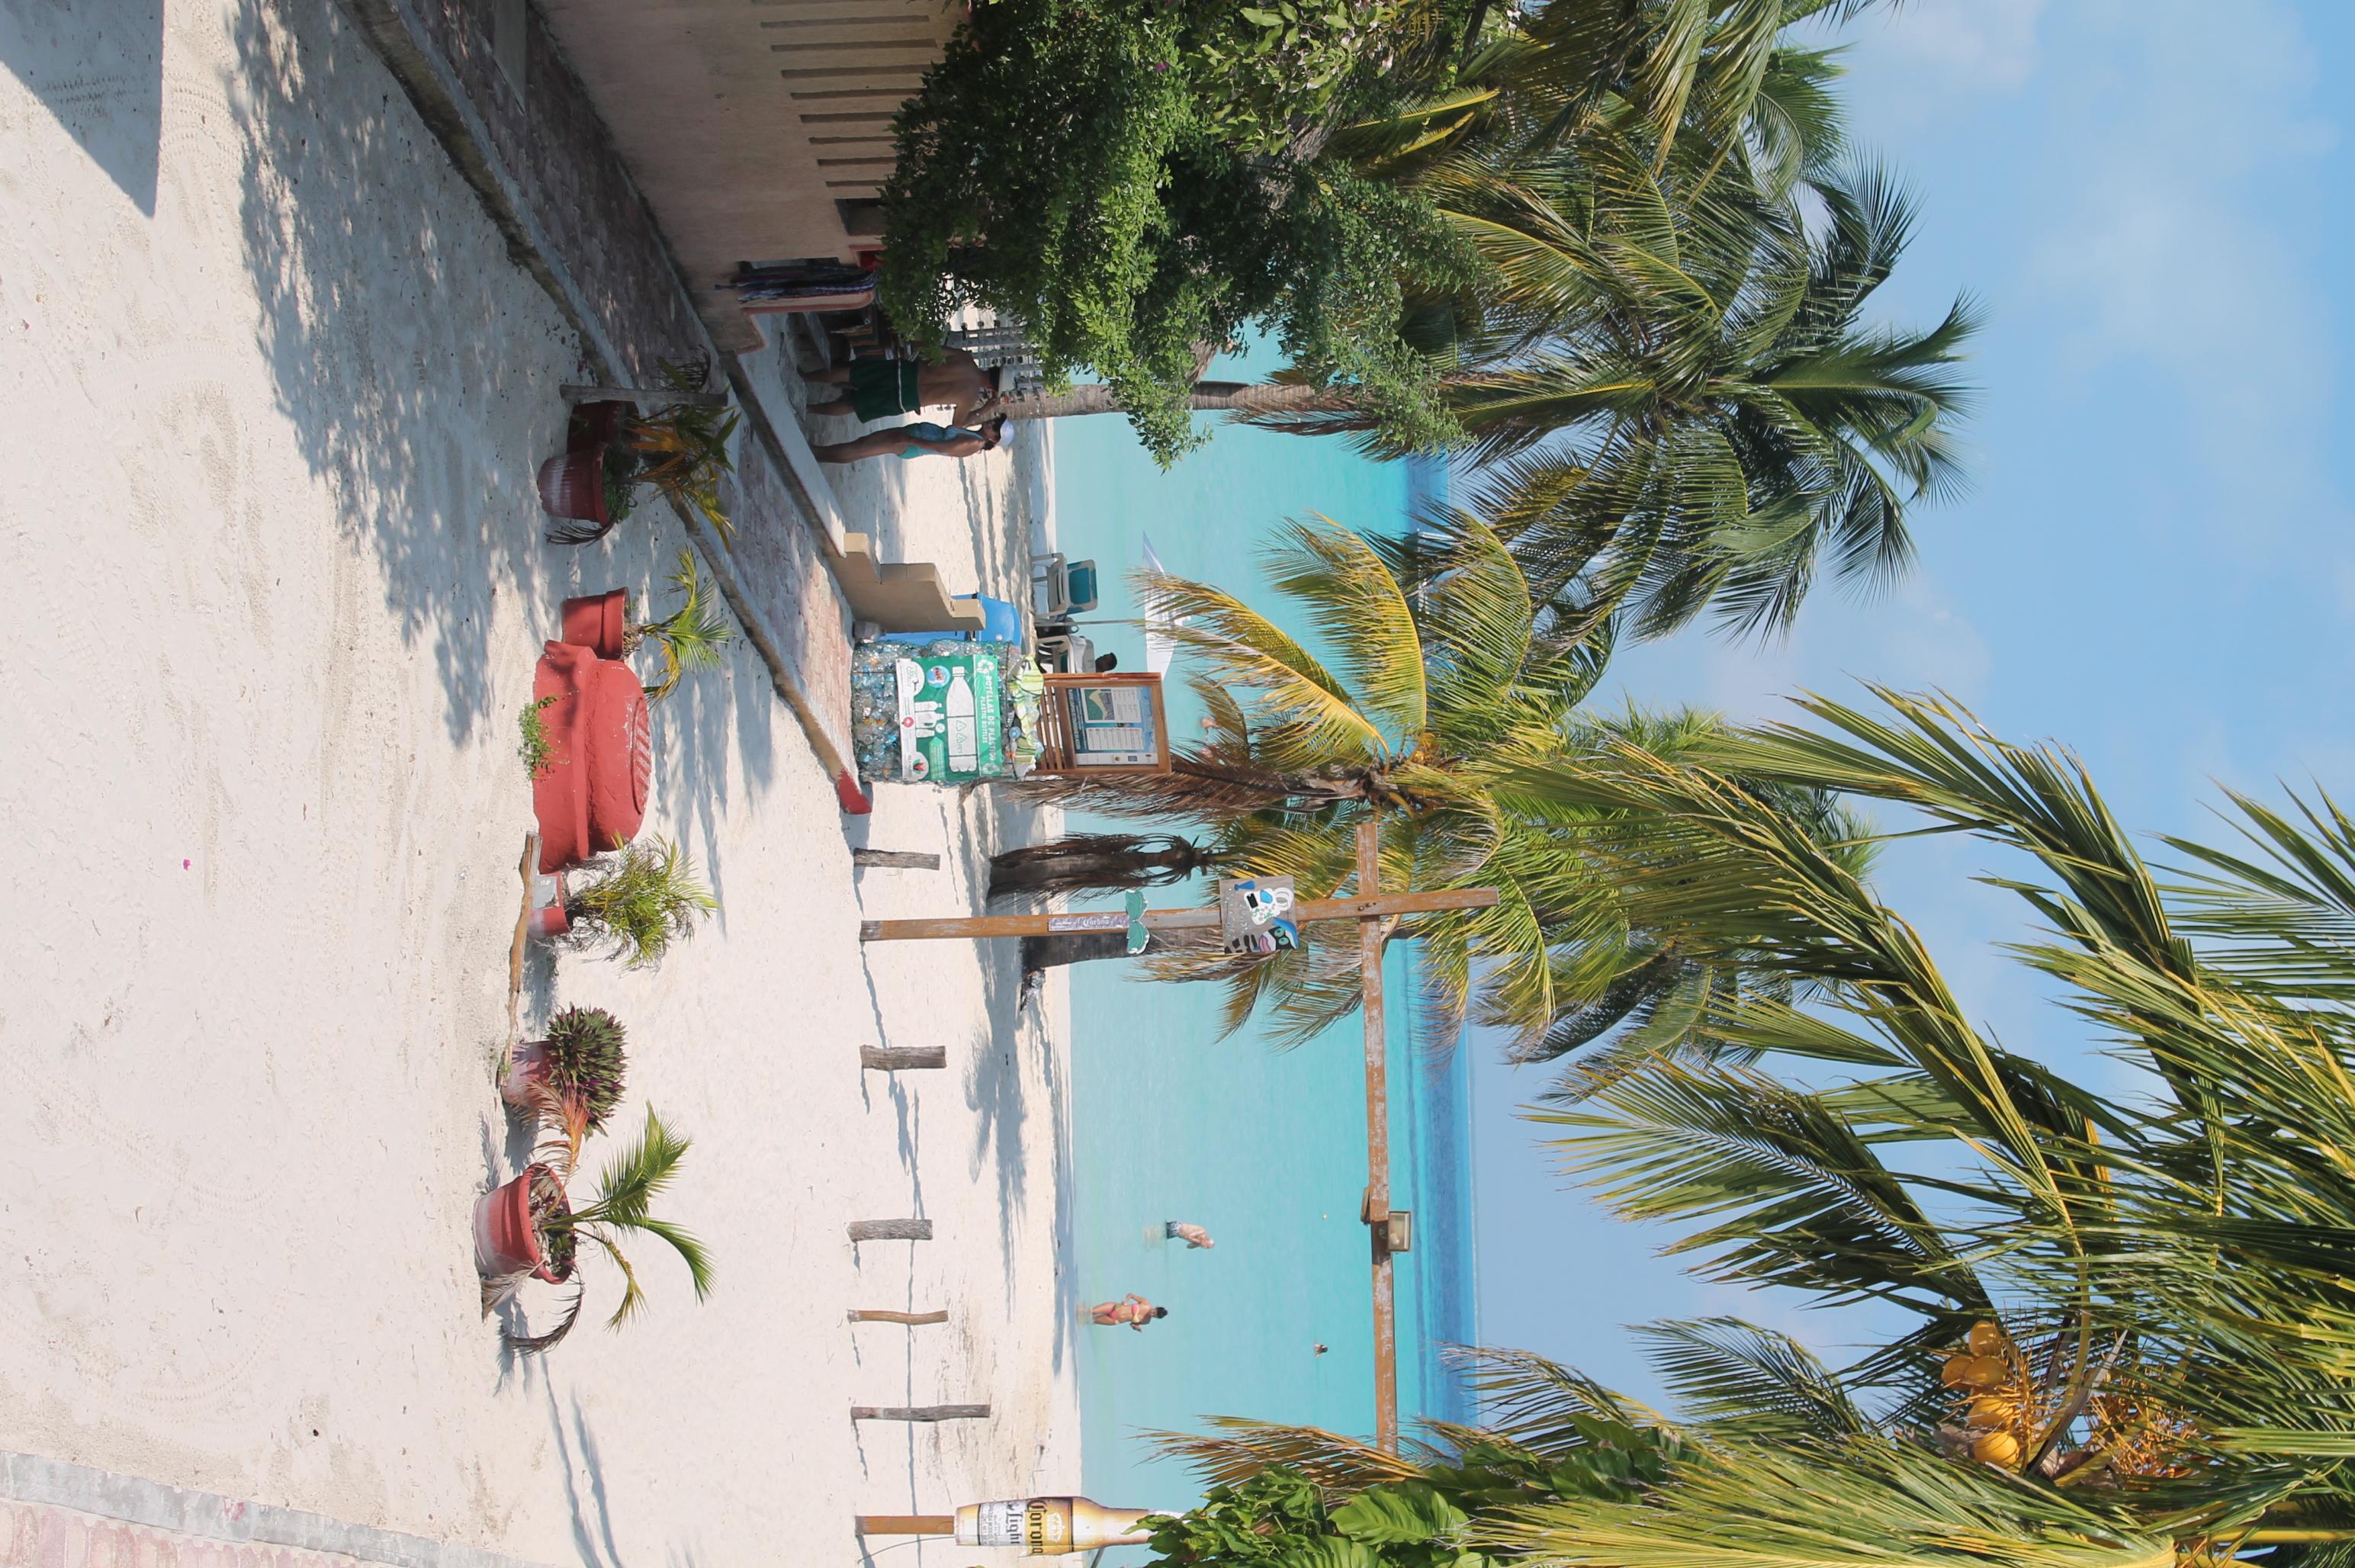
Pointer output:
x,y
1103,172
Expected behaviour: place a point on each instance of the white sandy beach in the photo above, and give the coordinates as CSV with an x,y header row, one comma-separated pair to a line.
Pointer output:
x,y
276,396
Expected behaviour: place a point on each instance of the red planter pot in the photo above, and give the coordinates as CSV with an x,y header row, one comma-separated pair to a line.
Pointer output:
x,y
574,485
598,620
506,1240
527,1065
594,424
592,795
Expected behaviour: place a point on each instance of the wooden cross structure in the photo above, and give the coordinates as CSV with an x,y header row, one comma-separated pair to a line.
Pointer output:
x,y
1377,914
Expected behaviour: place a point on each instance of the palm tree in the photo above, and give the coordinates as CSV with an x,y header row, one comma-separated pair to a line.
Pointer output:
x,y
1425,695
691,636
1446,678
1773,1463
2135,1341
2194,1247
1664,365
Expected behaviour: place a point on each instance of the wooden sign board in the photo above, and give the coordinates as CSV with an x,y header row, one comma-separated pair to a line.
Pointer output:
x,y
1111,723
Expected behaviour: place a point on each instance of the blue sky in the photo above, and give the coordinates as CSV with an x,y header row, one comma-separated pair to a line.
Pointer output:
x,y
2157,563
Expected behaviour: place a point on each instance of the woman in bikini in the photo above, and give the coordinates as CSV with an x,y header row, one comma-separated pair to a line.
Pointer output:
x,y
922,439
1132,1309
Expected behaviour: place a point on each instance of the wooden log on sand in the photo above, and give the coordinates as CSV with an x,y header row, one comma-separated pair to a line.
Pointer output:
x,y
901,860
902,1058
890,1230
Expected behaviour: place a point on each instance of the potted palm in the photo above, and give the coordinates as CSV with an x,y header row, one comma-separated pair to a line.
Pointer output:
x,y
644,899
546,1245
680,449
689,637
582,1056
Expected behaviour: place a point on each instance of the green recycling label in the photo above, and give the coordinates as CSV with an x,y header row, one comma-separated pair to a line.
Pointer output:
x,y
952,720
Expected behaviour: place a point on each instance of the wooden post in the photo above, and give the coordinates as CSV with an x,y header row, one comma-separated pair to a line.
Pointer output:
x,y
890,1230
661,397
902,1058
1357,908
919,1413
1373,930
903,859
907,1524
913,1319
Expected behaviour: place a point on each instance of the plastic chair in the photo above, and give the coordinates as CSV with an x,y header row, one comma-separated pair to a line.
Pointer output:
x,y
1070,585
1067,653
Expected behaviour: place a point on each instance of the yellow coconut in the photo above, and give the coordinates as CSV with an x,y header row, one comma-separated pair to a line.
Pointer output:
x,y
1996,1448
1975,1372
1986,1339
1991,1410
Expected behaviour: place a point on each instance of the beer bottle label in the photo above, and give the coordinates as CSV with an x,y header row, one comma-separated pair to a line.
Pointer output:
x,y
999,1525
1050,1533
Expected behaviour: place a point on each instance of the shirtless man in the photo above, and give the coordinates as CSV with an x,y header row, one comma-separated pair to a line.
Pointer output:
x,y
1132,1309
1172,1230
879,388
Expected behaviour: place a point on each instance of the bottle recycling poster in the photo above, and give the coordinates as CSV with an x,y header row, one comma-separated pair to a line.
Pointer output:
x,y
952,719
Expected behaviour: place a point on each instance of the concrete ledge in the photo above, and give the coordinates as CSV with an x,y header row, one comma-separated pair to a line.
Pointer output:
x,y
619,286
48,1494
900,596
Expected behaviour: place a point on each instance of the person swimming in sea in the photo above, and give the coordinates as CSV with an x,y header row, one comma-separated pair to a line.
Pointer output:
x,y
1132,1309
922,439
1192,1235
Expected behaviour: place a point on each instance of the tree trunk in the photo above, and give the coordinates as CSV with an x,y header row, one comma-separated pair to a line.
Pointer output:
x,y
1096,862
1245,398
876,1314
919,1413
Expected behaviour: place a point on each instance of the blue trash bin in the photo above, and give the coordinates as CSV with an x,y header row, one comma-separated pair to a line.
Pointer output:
x,y
1001,622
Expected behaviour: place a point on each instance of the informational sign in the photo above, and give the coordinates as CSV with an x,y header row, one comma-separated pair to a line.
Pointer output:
x,y
1111,726
1255,915
1113,723
952,719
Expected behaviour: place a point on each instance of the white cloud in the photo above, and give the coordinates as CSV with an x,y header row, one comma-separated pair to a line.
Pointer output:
x,y
2180,170
1955,46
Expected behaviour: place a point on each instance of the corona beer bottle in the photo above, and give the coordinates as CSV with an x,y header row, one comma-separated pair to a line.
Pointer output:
x,y
1048,1527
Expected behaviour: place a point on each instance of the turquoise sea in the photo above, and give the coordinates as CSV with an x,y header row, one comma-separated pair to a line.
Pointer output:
x,y
1267,1149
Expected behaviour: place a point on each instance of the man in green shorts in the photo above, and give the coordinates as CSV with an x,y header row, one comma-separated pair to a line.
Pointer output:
x,y
880,388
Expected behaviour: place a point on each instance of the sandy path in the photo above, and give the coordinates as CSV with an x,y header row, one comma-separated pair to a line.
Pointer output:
x,y
275,399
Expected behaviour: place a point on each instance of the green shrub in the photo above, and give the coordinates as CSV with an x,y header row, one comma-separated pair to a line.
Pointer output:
x,y
643,899
538,748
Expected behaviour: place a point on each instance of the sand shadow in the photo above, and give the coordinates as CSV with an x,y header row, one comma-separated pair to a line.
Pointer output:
x,y
692,733
99,68
380,288
593,1511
